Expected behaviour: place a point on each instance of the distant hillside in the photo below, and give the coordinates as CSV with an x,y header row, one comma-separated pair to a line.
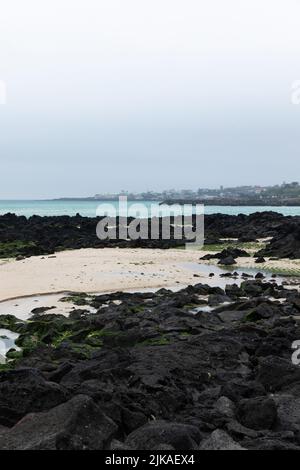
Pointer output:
x,y
286,194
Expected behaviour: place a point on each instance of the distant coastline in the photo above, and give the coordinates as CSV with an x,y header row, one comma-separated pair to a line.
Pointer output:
x,y
284,195
237,202
207,202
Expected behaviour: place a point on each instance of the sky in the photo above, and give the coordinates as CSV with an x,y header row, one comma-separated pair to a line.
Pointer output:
x,y
110,95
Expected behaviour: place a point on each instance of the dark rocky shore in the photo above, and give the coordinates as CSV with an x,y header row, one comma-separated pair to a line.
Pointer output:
x,y
202,368
37,235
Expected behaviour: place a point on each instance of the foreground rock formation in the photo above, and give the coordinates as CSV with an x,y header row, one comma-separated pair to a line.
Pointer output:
x,y
202,368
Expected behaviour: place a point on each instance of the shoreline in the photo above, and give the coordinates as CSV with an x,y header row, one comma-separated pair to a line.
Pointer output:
x,y
108,270
95,271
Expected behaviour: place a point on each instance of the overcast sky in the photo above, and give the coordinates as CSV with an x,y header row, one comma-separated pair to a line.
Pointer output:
x,y
104,95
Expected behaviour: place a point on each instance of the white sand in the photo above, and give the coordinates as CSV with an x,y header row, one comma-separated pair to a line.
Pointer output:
x,y
111,269
96,270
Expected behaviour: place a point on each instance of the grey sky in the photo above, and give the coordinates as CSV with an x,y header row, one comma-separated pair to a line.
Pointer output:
x,y
104,95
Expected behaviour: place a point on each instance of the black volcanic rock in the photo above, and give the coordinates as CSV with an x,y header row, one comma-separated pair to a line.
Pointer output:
x,y
76,425
158,370
159,433
21,237
227,261
257,413
228,252
26,390
285,244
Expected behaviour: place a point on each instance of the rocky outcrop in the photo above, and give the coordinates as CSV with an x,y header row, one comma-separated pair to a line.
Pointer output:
x,y
285,244
157,371
77,424
37,235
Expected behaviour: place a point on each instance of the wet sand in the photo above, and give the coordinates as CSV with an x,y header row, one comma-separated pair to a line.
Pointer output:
x,y
96,270
112,269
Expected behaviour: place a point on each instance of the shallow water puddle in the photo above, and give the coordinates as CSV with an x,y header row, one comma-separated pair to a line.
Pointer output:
x,y
22,307
7,342
204,270
209,308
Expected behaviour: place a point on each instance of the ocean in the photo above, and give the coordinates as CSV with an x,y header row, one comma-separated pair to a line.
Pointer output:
x,y
93,208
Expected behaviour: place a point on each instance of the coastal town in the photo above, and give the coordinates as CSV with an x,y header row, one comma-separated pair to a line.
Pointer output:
x,y
279,194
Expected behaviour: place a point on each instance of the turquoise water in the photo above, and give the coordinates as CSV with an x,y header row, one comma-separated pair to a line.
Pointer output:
x,y
89,208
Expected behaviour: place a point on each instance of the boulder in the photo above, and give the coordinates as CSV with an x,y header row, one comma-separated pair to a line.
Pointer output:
x,y
153,435
288,412
257,413
260,259
238,389
26,390
276,372
228,261
78,424
259,276
225,407
220,440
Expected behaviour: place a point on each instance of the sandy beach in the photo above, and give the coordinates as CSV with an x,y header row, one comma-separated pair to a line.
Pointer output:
x,y
96,270
111,269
